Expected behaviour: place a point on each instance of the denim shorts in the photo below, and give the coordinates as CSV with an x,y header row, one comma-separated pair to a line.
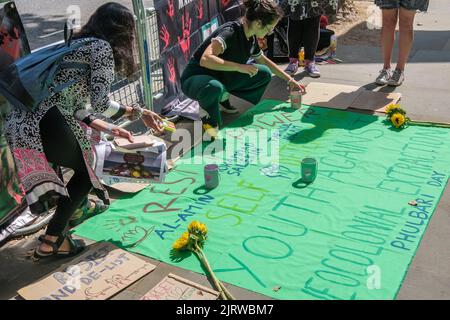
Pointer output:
x,y
421,5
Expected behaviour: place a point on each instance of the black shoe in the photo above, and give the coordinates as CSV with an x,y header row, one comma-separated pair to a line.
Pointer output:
x,y
226,107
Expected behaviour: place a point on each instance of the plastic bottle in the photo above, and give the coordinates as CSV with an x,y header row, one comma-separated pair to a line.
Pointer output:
x,y
301,57
333,45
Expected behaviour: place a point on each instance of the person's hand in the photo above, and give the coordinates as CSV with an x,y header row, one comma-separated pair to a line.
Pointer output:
x,y
294,85
111,129
249,69
152,120
122,133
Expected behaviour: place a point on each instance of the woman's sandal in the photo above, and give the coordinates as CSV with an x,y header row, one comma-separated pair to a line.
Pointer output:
x,y
76,247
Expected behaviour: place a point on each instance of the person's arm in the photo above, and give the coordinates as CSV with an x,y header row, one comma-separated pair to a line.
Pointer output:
x,y
211,60
97,124
292,83
102,76
112,129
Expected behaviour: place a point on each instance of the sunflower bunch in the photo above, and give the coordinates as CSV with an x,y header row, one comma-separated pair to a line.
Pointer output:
x,y
397,116
194,240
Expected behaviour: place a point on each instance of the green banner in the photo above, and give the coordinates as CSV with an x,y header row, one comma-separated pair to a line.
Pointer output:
x,y
351,234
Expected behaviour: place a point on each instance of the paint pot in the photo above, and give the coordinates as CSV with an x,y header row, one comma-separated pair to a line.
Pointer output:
x,y
211,176
309,170
296,99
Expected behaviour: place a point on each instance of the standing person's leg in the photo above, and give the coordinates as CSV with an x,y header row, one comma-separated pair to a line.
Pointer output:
x,y
405,42
61,148
249,88
294,41
78,188
389,22
311,34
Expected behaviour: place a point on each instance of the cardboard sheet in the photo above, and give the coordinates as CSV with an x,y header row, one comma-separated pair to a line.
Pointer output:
x,y
98,274
330,95
174,287
338,96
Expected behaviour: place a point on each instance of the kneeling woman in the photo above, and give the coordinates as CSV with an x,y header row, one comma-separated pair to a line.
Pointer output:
x,y
219,65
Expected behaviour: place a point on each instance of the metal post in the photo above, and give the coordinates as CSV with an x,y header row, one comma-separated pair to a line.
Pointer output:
x,y
142,42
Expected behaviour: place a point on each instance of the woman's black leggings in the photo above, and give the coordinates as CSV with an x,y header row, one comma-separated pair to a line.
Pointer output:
x,y
62,148
304,32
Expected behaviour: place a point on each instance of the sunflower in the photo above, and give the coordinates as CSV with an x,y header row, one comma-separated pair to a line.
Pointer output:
x,y
391,107
398,120
182,242
194,240
203,228
193,226
196,227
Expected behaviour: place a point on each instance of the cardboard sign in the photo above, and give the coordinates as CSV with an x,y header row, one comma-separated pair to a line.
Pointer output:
x,y
98,274
375,100
330,95
338,96
143,165
174,287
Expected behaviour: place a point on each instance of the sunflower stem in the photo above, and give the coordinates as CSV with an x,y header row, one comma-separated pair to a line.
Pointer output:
x,y
205,262
225,290
429,124
228,293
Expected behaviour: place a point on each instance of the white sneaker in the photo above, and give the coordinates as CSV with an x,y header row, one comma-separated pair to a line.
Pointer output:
x,y
397,78
292,67
383,77
312,70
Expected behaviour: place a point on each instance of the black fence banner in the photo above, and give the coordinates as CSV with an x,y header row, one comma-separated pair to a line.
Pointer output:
x,y
183,25
13,45
13,41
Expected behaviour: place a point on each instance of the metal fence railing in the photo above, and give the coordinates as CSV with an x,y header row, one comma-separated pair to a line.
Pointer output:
x,y
154,53
131,90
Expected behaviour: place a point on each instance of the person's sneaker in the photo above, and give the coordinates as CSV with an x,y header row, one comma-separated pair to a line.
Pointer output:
x,y
312,70
397,78
383,77
211,131
292,67
226,107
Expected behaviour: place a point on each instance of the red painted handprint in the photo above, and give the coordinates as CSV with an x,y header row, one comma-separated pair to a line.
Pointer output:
x,y
164,36
10,43
171,67
200,11
185,41
225,2
171,9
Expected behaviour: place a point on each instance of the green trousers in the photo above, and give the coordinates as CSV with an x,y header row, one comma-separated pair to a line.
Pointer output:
x,y
207,87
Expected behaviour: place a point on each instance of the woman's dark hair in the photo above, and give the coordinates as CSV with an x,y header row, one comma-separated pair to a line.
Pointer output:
x,y
113,23
265,10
